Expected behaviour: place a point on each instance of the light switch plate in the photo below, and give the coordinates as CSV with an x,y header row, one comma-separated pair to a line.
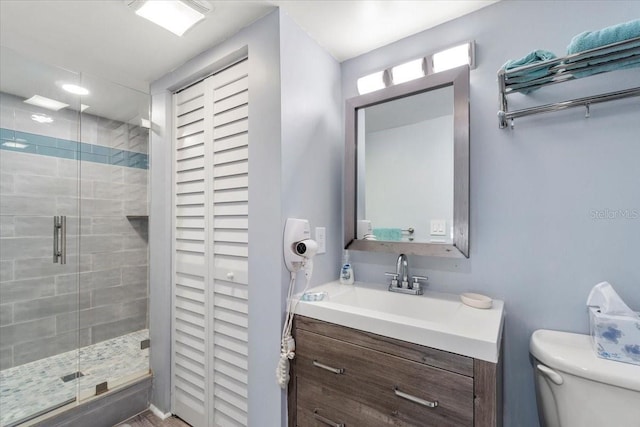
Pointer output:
x,y
321,239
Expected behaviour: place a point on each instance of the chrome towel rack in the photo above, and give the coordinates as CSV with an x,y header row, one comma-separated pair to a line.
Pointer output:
x,y
560,70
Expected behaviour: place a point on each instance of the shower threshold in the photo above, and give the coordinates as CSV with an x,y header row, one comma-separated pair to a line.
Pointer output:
x,y
30,390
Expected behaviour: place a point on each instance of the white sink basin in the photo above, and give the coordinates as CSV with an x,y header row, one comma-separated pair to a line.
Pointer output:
x,y
434,319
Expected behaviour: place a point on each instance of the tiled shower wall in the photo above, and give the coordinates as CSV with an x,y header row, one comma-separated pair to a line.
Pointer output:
x,y
101,292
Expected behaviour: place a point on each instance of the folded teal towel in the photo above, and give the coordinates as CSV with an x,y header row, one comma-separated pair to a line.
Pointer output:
x,y
532,58
593,39
528,75
388,234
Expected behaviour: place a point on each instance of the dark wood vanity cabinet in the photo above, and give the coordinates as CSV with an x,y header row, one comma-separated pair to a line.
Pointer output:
x,y
342,377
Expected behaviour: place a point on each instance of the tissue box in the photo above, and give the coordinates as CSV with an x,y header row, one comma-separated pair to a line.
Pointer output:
x,y
615,337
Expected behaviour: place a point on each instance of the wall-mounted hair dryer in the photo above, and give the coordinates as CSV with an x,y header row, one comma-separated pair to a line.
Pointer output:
x,y
298,244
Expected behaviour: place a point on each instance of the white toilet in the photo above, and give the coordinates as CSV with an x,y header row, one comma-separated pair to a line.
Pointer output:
x,y
575,388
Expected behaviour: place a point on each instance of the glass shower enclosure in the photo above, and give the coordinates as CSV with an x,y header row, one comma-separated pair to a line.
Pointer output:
x,y
73,237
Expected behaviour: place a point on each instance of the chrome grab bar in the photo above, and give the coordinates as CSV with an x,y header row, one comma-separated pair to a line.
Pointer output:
x,y
326,420
415,399
338,371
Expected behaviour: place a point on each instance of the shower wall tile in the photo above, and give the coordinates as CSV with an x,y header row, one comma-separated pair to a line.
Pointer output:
x,y
44,267
24,205
115,295
101,243
25,290
6,183
30,164
49,306
134,275
27,331
88,280
26,247
7,226
118,328
6,358
135,241
42,185
38,349
6,271
6,314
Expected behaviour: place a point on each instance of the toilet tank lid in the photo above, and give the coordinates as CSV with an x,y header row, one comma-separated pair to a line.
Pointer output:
x,y
573,353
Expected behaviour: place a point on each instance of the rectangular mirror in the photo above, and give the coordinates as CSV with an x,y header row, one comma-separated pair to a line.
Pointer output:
x,y
407,167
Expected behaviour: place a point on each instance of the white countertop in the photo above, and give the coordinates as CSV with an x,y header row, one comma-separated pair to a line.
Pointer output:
x,y
437,320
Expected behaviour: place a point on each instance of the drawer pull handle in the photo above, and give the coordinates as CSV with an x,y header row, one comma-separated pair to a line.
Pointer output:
x,y
325,420
415,399
328,368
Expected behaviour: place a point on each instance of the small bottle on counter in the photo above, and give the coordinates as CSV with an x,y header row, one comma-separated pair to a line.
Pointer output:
x,y
346,272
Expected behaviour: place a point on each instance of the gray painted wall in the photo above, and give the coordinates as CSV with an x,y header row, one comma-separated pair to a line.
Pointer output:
x,y
536,191
312,149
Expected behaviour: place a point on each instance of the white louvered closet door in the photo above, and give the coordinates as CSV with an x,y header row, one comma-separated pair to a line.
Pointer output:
x,y
210,257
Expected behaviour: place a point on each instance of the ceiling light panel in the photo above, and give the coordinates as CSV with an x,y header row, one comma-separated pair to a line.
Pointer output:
x,y
173,15
48,103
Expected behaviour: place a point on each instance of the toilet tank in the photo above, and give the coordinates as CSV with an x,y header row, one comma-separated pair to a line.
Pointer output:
x,y
576,388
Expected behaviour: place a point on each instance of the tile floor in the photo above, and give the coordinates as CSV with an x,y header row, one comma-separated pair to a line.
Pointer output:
x,y
37,386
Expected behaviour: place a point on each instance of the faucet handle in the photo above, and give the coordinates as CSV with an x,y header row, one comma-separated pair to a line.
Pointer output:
x,y
394,278
416,281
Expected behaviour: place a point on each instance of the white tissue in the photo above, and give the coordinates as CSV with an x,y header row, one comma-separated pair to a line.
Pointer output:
x,y
605,297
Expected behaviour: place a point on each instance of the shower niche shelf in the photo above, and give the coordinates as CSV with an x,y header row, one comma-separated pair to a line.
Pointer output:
x,y
600,60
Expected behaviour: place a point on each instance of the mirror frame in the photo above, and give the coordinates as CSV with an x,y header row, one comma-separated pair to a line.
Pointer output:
x,y
459,78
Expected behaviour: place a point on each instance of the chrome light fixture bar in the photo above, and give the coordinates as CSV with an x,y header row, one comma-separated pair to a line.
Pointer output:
x,y
446,59
176,16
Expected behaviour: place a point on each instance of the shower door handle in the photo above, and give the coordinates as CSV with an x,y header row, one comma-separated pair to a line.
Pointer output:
x,y
60,239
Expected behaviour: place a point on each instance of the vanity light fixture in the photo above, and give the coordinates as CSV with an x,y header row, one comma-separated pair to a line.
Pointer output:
x,y
454,57
41,118
408,71
48,103
75,89
371,82
176,16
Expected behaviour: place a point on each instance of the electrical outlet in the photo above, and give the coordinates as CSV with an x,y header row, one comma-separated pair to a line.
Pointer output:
x,y
321,239
438,227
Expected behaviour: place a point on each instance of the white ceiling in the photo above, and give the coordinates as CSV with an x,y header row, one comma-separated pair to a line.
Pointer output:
x,y
107,40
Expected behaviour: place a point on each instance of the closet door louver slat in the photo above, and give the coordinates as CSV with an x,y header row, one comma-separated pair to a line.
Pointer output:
x,y
210,250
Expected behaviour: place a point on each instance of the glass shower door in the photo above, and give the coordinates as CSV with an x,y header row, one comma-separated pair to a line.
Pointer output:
x,y
39,239
113,178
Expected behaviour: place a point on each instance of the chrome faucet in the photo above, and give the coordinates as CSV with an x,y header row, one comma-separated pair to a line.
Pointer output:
x,y
402,270
400,279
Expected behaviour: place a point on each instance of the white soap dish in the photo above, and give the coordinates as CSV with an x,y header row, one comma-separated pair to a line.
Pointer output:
x,y
476,300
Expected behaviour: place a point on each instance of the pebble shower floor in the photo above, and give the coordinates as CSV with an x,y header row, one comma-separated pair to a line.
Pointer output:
x,y
34,387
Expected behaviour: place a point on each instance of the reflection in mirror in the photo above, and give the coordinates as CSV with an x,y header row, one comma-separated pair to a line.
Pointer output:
x,y
407,167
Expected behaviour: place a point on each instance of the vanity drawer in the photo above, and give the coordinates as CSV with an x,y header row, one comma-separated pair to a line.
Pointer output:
x,y
322,406
384,381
